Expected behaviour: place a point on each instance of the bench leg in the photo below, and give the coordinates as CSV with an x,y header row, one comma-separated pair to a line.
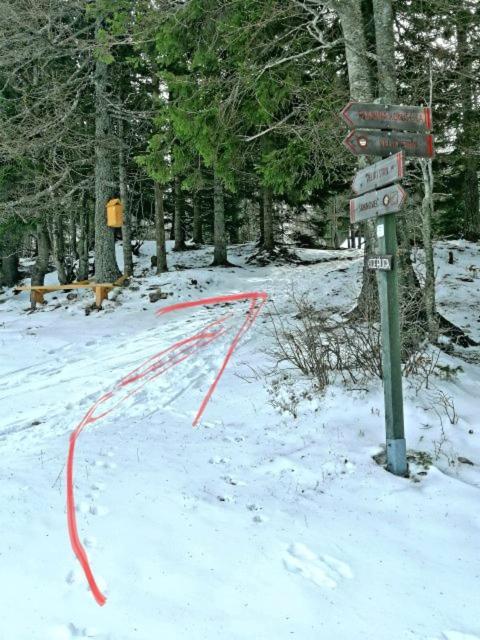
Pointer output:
x,y
36,297
101,294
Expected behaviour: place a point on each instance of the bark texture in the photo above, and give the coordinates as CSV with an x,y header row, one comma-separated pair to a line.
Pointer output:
x,y
469,143
41,264
160,230
9,274
127,223
179,221
429,287
197,218
351,20
268,223
359,77
219,237
261,239
412,300
57,243
83,243
106,268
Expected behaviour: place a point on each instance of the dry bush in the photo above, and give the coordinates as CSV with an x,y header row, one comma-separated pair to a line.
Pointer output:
x,y
322,344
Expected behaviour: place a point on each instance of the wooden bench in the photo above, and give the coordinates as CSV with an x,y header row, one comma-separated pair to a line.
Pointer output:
x,y
37,292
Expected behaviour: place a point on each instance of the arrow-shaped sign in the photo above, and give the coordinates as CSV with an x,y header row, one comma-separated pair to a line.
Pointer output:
x,y
383,143
377,116
377,203
379,174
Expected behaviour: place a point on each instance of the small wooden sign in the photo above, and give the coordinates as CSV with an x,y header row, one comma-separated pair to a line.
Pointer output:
x,y
361,115
383,143
379,174
377,203
380,263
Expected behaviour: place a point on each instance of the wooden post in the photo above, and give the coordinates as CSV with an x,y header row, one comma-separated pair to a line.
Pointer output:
x,y
391,347
101,293
37,297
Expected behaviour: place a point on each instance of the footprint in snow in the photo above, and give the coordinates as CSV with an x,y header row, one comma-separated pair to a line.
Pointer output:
x,y
324,571
258,517
90,542
225,498
108,454
218,460
98,510
105,464
234,482
74,576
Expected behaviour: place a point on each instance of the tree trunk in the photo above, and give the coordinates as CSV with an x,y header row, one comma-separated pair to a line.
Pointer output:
x,y
57,243
9,275
429,288
268,224
106,268
471,200
127,224
411,298
83,244
72,223
179,221
468,139
41,264
233,229
385,49
172,227
351,20
197,218
261,240
359,78
160,230
219,237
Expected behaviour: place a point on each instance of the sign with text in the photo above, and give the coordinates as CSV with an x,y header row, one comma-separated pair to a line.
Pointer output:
x,y
383,143
361,115
377,203
380,263
379,174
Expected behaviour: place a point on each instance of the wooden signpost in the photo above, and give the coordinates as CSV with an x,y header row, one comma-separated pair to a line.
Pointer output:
x,y
361,115
409,125
382,143
379,174
377,203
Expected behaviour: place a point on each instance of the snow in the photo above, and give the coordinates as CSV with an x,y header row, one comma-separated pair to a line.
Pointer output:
x,y
254,525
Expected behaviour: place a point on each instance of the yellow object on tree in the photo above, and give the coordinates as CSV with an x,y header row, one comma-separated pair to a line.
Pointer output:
x,y
114,213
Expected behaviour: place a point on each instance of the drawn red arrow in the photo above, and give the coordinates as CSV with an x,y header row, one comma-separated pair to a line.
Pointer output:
x,y
149,370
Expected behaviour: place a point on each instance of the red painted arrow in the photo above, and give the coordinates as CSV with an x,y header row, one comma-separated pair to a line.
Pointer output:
x,y
370,115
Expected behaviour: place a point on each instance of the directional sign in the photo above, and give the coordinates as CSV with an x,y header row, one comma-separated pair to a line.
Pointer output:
x,y
380,263
377,203
360,115
383,143
379,174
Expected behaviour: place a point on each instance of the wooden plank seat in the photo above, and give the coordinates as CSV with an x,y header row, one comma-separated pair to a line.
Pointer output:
x,y
101,289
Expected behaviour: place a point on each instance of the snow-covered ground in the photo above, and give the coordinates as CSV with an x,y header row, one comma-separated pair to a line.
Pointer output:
x,y
254,525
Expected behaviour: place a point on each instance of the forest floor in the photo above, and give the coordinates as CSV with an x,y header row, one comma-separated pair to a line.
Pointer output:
x,y
255,525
